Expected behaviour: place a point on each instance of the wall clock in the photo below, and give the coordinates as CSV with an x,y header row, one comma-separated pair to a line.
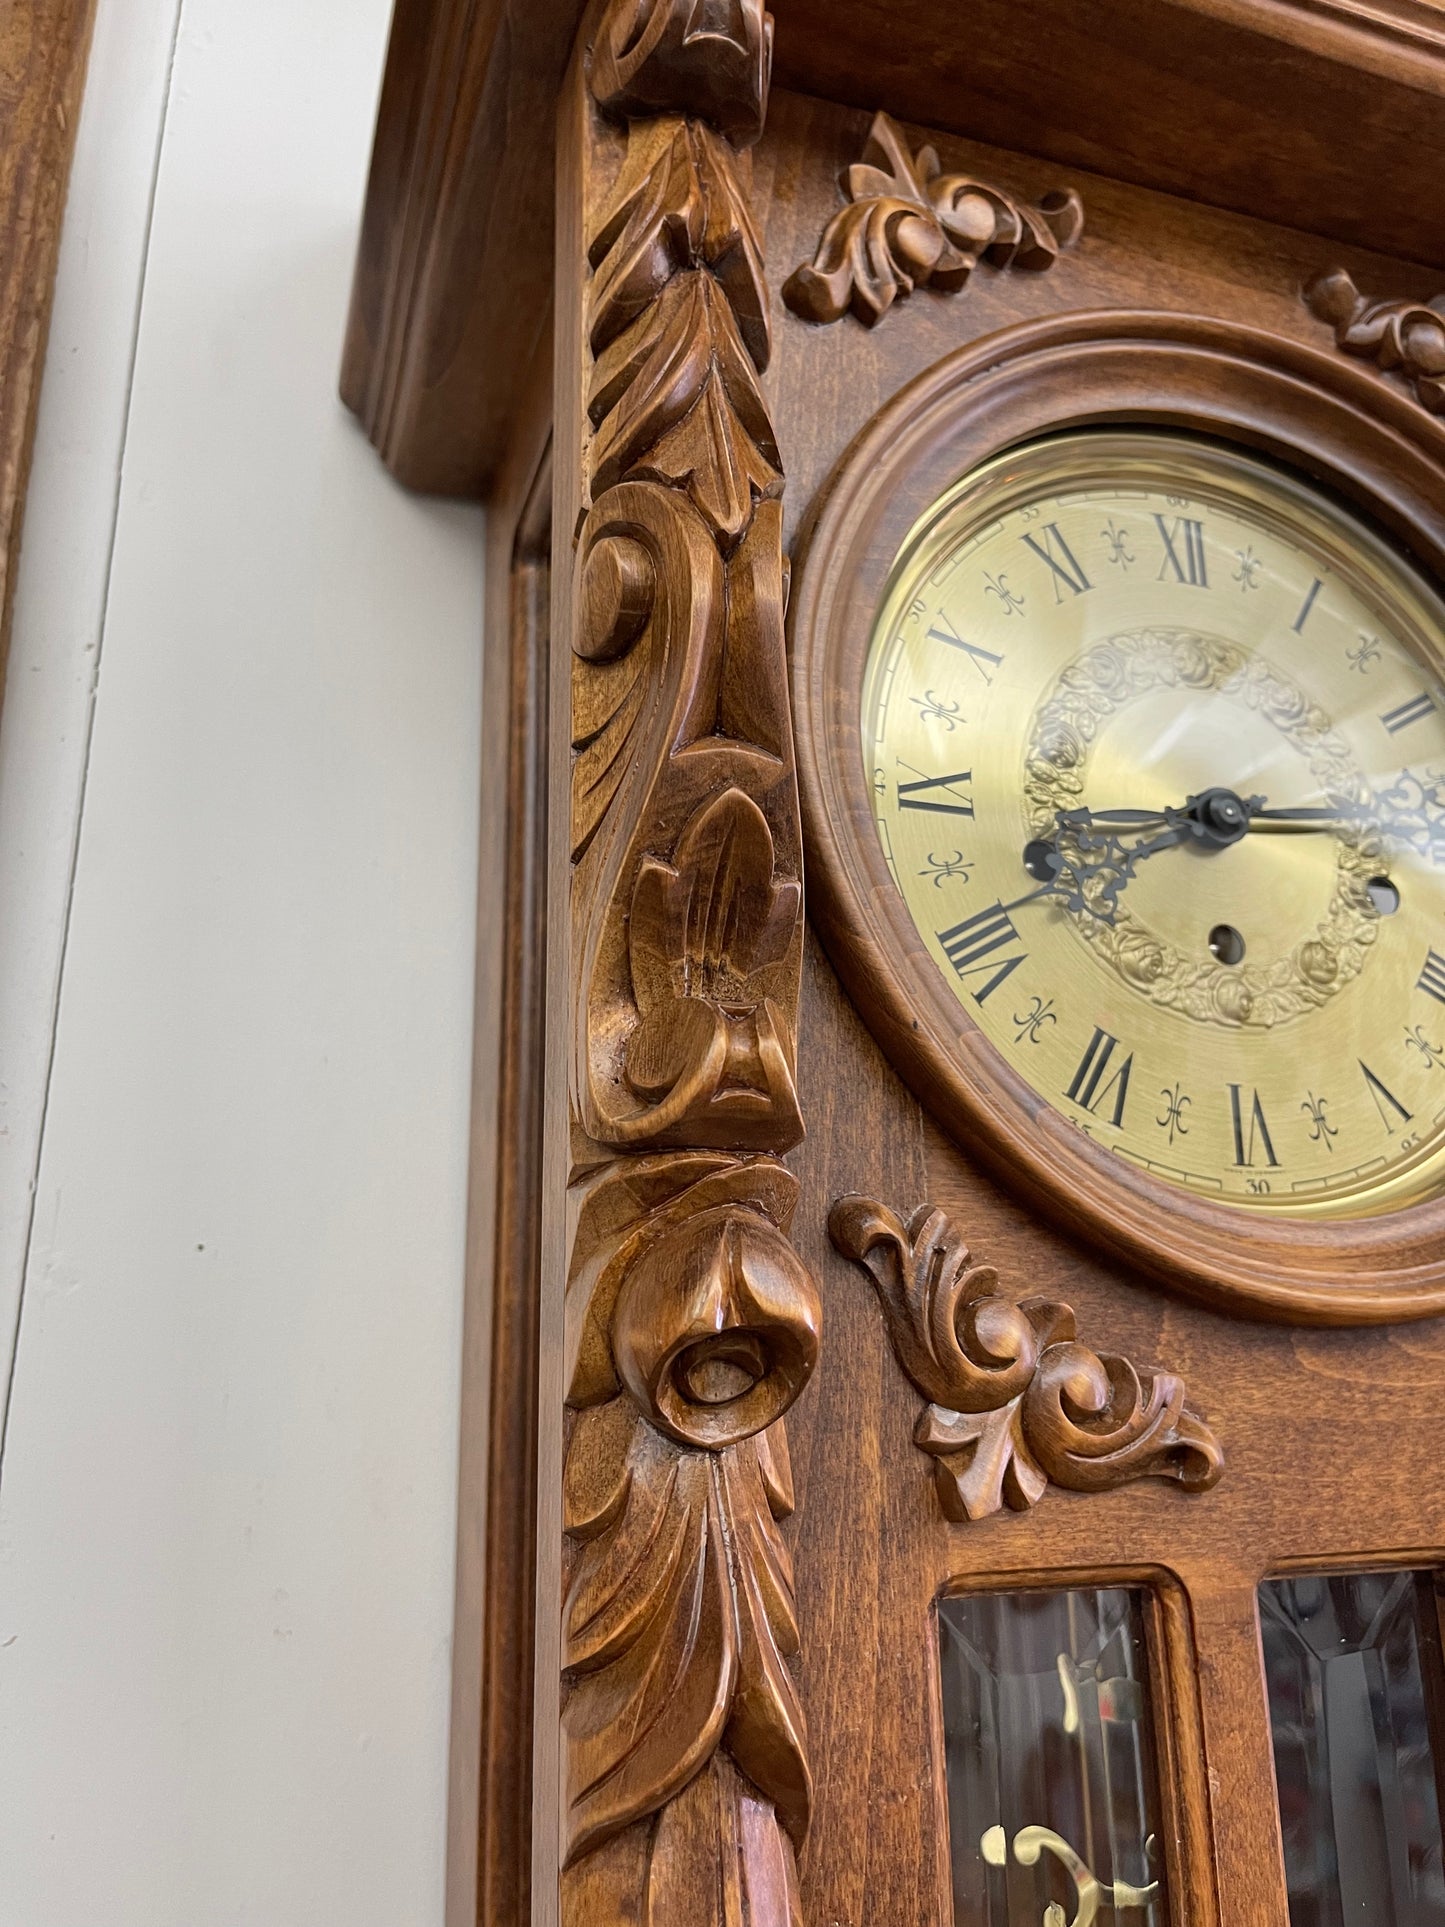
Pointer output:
x,y
1128,791
896,1486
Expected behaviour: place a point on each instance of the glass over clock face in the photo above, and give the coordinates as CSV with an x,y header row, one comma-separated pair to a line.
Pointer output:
x,y
1156,739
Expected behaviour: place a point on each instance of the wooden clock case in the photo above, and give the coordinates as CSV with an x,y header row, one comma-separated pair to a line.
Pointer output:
x,y
703,1520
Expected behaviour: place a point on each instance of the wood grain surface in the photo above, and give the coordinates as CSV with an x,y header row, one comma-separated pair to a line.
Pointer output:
x,y
1329,1436
43,50
489,1806
1318,114
691,1324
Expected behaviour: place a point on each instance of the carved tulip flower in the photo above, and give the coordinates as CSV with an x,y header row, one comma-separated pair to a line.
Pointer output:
x,y
716,1327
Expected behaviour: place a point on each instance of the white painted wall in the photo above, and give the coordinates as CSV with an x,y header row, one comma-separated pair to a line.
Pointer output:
x,y
235,981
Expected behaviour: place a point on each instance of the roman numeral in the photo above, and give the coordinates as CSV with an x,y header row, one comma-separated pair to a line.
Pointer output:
x,y
1184,534
1432,978
1383,1096
971,946
1309,602
1413,711
1244,1151
944,631
1067,573
914,796
1092,1084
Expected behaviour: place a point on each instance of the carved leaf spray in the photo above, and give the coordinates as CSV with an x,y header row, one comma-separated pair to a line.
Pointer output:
x,y
1403,337
1017,1403
692,1324
909,225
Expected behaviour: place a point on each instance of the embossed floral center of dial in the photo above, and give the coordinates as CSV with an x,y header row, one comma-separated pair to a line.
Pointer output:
x,y
1101,683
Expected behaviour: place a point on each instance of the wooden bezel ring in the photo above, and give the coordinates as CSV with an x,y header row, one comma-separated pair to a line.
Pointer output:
x,y
1338,424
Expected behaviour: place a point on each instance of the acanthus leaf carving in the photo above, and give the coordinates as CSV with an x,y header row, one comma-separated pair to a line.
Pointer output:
x,y
709,58
677,205
692,1326
1403,337
691,1321
686,836
910,225
676,400
1017,1403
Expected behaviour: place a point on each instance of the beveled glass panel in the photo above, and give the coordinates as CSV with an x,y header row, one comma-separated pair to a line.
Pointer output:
x,y
1354,1673
1053,1791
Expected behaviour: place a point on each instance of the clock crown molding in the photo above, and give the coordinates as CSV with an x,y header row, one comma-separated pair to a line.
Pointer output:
x,y
692,1324
1402,336
910,225
1017,1403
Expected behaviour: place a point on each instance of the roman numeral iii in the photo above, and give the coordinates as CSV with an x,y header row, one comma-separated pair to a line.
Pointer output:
x,y
1432,978
1415,710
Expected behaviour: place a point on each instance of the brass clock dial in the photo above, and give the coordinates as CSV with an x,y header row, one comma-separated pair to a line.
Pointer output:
x,y
1156,737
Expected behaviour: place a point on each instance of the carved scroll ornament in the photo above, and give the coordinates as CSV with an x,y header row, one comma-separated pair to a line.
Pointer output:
x,y
1403,337
1017,1403
692,1324
909,225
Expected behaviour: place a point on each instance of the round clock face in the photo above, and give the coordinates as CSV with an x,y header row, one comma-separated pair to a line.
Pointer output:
x,y
1156,737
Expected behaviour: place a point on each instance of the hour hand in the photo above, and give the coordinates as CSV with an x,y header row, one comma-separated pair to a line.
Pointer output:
x,y
1087,863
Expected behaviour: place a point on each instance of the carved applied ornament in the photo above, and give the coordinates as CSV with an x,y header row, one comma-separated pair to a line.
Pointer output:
x,y
1403,337
909,225
692,1324
1016,1402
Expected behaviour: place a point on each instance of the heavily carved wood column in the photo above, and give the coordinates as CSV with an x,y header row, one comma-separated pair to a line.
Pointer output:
x,y
691,1322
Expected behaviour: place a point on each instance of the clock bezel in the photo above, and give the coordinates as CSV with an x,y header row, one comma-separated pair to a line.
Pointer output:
x,y
1329,421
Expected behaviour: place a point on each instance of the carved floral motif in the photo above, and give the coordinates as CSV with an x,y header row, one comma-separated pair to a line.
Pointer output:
x,y
712,58
909,225
1017,1403
1403,337
692,1324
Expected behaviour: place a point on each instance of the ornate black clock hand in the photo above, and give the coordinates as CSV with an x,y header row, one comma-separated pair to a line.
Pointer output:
x,y
1411,811
1087,864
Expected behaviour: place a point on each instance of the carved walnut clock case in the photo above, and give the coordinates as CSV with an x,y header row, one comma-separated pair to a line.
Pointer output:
x,y
955,1352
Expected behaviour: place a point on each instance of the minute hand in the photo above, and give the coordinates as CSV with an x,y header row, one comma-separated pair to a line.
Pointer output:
x,y
1421,832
